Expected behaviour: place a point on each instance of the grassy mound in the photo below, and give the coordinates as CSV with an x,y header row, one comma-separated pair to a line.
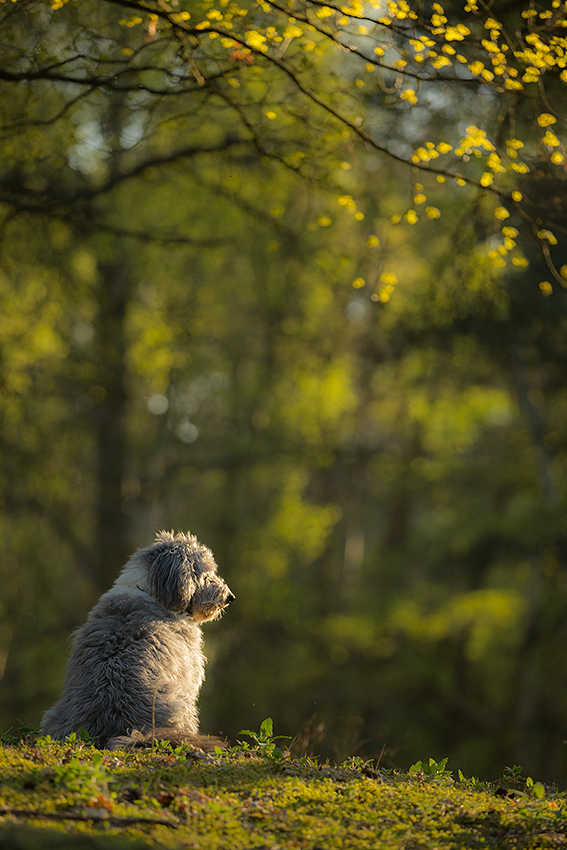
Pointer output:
x,y
55,795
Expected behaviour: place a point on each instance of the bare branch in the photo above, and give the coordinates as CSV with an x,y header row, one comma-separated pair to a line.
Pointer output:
x,y
93,815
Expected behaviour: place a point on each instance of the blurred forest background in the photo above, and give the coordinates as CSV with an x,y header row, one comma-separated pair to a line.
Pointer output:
x,y
189,339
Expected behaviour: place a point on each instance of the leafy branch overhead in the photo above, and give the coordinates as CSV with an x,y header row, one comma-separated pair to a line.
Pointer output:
x,y
474,92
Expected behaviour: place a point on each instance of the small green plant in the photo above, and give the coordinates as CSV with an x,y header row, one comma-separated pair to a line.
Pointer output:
x,y
7,739
431,769
307,760
535,789
165,747
85,778
79,740
367,767
471,782
27,730
356,762
264,741
513,777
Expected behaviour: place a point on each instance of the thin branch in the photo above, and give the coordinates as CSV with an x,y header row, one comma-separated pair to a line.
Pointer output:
x,y
97,815
157,161
96,81
371,59
146,236
551,265
62,206
312,95
245,205
24,124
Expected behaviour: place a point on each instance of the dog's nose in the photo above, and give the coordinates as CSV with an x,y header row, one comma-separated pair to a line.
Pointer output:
x,y
229,597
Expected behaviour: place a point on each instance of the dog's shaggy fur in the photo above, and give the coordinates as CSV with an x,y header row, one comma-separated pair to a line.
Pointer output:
x,y
137,664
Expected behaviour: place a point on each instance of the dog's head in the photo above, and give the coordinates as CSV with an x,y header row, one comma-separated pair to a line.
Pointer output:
x,y
182,575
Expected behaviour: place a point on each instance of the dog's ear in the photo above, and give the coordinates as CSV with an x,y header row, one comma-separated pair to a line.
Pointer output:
x,y
171,576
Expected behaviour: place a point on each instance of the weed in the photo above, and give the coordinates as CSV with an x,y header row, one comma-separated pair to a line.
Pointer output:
x,y
85,778
44,742
361,765
356,763
264,742
432,770
78,741
308,761
85,737
7,739
366,767
26,732
513,779
472,782
166,748
513,775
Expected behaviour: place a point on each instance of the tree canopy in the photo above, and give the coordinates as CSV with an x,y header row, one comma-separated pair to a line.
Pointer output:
x,y
299,83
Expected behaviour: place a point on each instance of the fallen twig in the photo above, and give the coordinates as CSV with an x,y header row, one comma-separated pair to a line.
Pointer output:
x,y
95,815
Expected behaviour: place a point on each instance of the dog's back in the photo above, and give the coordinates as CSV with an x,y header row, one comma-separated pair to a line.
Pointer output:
x,y
137,664
133,665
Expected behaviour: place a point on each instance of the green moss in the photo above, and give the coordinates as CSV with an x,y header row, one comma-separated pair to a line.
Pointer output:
x,y
238,800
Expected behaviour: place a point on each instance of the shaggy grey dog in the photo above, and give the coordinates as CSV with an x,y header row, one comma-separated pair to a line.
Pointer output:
x,y
137,664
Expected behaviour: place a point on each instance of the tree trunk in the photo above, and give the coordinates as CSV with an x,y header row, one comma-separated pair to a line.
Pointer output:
x,y
111,544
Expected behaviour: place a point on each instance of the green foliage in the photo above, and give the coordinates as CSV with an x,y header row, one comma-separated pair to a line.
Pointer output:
x,y
432,769
81,777
514,780
264,742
